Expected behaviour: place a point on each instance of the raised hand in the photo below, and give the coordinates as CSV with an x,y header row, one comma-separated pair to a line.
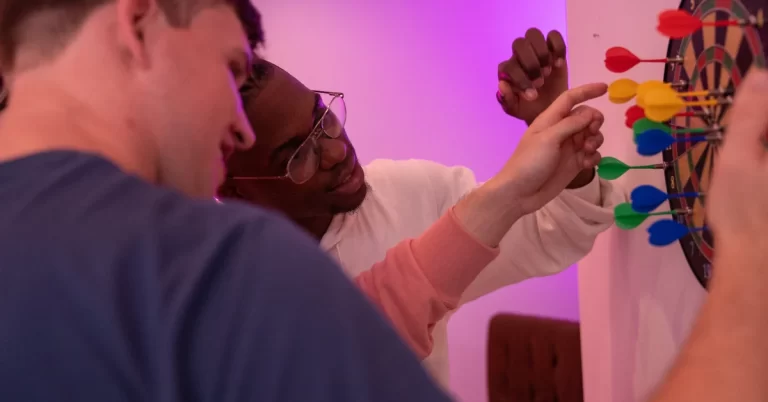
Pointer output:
x,y
558,145
738,194
546,159
534,76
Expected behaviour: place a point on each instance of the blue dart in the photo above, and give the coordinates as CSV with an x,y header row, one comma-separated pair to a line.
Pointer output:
x,y
652,142
665,232
646,198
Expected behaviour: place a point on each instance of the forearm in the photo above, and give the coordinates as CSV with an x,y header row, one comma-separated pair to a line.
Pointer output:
x,y
422,279
488,212
727,352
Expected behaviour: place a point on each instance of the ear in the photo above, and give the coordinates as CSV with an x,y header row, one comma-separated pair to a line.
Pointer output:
x,y
133,19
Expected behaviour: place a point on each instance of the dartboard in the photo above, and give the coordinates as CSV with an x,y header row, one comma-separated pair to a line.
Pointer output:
x,y
713,57
712,46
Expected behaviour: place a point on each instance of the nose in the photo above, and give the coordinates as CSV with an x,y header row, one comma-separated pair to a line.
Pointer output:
x,y
332,152
243,134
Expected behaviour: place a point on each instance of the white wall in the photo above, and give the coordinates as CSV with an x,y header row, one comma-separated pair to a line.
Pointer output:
x,y
637,302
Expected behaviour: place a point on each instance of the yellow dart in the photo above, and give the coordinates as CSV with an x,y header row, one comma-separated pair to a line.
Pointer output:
x,y
650,85
622,90
664,103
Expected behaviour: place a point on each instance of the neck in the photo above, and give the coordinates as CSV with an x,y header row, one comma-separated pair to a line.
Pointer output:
x,y
316,226
43,116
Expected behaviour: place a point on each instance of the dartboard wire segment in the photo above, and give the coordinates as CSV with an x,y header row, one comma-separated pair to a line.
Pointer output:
x,y
683,116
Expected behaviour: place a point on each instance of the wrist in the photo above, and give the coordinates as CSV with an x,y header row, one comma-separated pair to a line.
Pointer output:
x,y
488,213
737,265
582,179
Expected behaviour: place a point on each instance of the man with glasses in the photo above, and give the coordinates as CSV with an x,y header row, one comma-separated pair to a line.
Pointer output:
x,y
305,166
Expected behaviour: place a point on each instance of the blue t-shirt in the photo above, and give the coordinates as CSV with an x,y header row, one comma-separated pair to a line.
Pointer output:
x,y
112,289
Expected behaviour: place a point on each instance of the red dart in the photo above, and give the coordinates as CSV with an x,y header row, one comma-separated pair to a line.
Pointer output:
x,y
619,60
636,113
677,24
633,114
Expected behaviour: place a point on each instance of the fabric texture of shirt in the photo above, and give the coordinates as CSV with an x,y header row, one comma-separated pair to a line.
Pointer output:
x,y
421,280
116,290
409,196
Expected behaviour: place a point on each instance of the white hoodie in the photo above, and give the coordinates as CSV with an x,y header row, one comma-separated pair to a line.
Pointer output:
x,y
408,196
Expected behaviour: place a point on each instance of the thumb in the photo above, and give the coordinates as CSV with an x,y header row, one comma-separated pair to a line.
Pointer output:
x,y
569,99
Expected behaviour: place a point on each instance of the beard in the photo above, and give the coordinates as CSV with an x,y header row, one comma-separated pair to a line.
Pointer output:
x,y
352,210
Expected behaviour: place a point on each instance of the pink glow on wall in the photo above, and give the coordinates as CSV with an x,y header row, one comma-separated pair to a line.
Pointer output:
x,y
419,79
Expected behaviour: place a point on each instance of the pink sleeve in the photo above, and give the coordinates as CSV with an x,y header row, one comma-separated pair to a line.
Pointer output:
x,y
422,279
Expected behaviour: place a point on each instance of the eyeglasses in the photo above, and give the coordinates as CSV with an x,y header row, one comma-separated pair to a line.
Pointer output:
x,y
305,161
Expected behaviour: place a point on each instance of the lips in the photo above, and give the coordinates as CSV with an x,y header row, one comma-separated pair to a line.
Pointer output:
x,y
349,176
345,174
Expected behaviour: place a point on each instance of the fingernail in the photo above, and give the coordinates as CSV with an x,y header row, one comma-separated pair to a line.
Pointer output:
x,y
547,71
503,76
538,83
499,97
505,88
559,62
531,94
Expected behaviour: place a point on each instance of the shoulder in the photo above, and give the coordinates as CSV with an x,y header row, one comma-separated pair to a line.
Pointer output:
x,y
183,290
419,171
281,302
447,183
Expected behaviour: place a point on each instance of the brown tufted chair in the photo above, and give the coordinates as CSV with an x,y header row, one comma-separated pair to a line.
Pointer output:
x,y
534,359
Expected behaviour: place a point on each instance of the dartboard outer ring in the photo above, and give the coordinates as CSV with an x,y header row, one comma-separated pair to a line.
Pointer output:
x,y
704,63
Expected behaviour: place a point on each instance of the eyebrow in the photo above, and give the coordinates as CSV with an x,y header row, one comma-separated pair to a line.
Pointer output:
x,y
298,139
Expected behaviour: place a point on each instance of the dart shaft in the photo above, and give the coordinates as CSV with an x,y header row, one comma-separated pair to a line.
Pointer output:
x,y
698,138
690,130
711,102
661,213
662,165
694,93
725,23
685,195
670,212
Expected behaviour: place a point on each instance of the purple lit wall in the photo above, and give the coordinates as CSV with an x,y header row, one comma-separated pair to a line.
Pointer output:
x,y
419,79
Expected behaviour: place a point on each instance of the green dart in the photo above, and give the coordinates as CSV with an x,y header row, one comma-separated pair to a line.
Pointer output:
x,y
611,168
627,218
644,124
